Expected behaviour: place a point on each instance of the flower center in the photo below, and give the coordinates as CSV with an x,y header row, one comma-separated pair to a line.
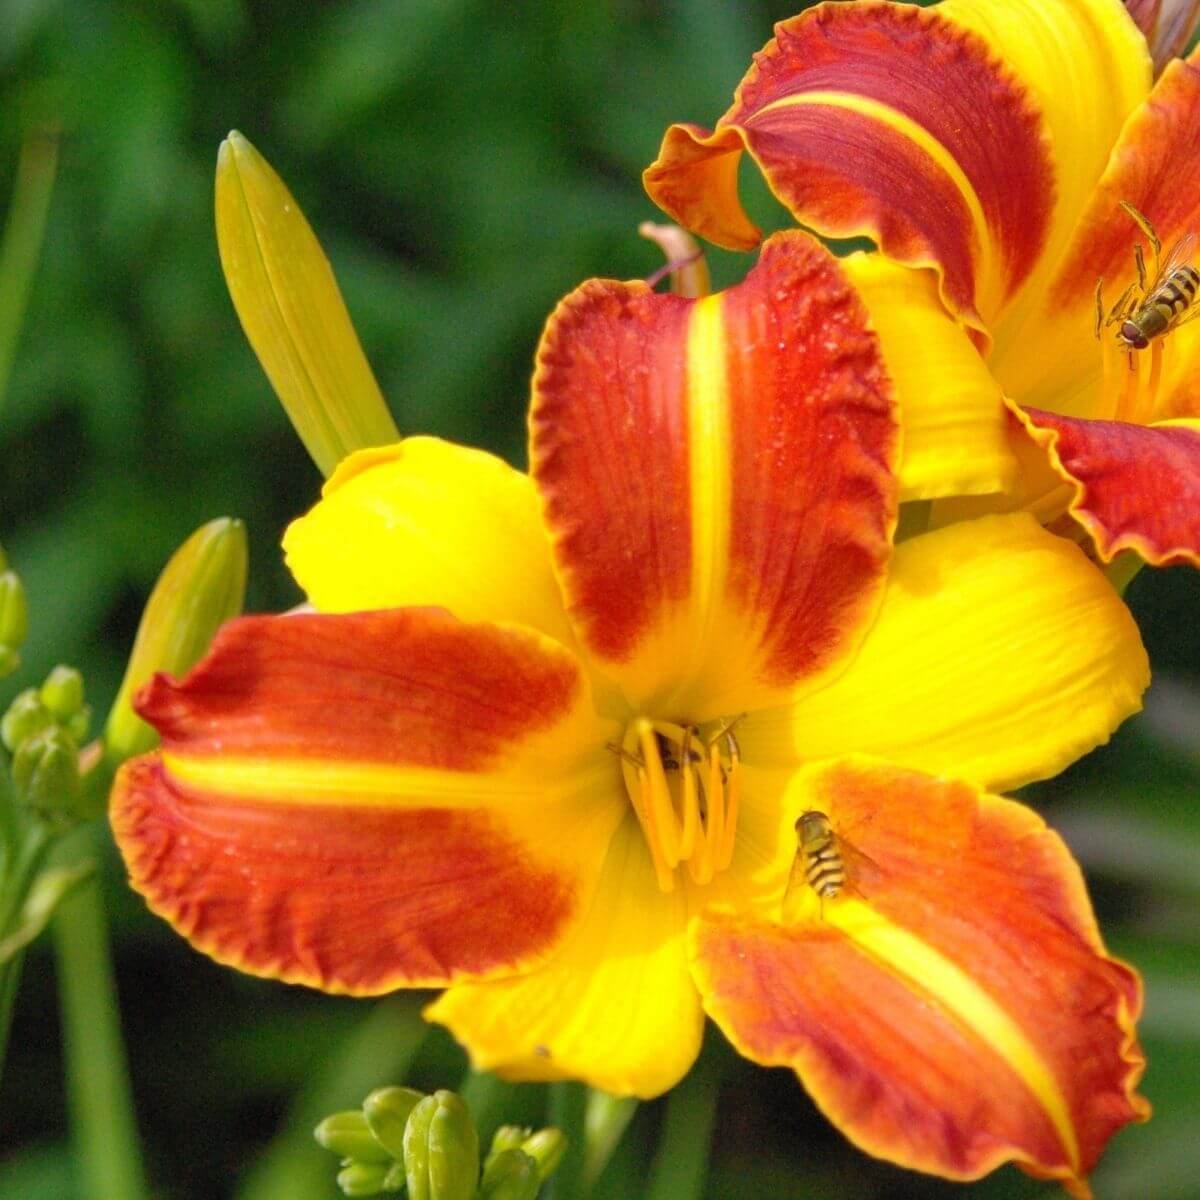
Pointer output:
x,y
683,782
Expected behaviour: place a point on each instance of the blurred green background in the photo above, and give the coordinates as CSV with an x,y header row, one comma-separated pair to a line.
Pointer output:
x,y
465,164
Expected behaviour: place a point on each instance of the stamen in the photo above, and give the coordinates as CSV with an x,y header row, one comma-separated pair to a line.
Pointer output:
x,y
683,786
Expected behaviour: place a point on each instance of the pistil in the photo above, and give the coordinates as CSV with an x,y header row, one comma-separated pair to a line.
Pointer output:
x,y
684,784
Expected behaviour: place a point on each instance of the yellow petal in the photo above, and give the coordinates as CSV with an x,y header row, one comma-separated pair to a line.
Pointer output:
x,y
1087,67
951,409
425,522
1000,655
616,1007
289,304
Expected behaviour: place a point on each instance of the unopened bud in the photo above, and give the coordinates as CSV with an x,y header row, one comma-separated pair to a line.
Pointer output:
x,y
441,1149
362,1179
1169,26
386,1111
510,1175
546,1148
347,1135
509,1137
62,693
202,586
14,619
26,716
45,772
292,311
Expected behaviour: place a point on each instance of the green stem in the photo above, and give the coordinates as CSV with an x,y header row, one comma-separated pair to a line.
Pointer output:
x,y
20,870
101,1103
23,235
567,1111
681,1165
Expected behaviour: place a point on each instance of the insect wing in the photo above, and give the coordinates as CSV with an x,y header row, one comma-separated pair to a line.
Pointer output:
x,y
1178,255
793,894
862,871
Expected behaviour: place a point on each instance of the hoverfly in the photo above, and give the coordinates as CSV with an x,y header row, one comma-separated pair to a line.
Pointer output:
x,y
825,862
1152,307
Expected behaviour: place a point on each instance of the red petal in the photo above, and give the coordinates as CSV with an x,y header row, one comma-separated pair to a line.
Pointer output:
x,y
717,477
1137,487
962,1015
843,111
370,801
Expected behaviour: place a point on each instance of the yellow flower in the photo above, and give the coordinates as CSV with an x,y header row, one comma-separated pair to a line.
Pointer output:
x,y
546,739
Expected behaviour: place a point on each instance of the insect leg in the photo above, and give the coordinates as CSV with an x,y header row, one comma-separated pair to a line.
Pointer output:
x,y
1122,307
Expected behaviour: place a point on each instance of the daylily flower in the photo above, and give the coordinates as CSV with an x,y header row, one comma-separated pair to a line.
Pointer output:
x,y
993,143
545,741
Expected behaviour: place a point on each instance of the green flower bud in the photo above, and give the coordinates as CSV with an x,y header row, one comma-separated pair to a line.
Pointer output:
x,y
62,693
509,1137
441,1149
27,716
386,1111
14,612
201,587
45,772
546,1148
510,1175
347,1135
80,723
362,1179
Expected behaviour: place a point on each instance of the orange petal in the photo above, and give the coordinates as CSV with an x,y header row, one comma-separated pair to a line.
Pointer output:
x,y
370,801
717,478
962,1013
1136,487
866,121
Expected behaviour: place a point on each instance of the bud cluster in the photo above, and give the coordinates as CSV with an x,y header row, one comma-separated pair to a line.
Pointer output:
x,y
42,730
428,1146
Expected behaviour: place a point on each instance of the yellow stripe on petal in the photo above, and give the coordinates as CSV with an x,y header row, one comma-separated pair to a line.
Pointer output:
x,y
955,990
292,311
953,421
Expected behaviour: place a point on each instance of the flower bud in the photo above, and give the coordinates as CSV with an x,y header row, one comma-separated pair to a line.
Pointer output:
x,y
362,1179
14,620
45,772
509,1137
202,586
546,1148
386,1111
62,693
347,1135
510,1175
26,716
1169,25
441,1149
292,311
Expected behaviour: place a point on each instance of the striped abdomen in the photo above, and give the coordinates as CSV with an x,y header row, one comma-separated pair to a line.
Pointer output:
x,y
1168,302
823,866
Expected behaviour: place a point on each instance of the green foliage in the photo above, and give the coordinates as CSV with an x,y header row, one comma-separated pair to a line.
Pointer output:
x,y
465,164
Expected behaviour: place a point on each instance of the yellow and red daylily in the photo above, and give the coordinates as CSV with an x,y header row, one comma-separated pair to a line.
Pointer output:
x,y
545,739
992,142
